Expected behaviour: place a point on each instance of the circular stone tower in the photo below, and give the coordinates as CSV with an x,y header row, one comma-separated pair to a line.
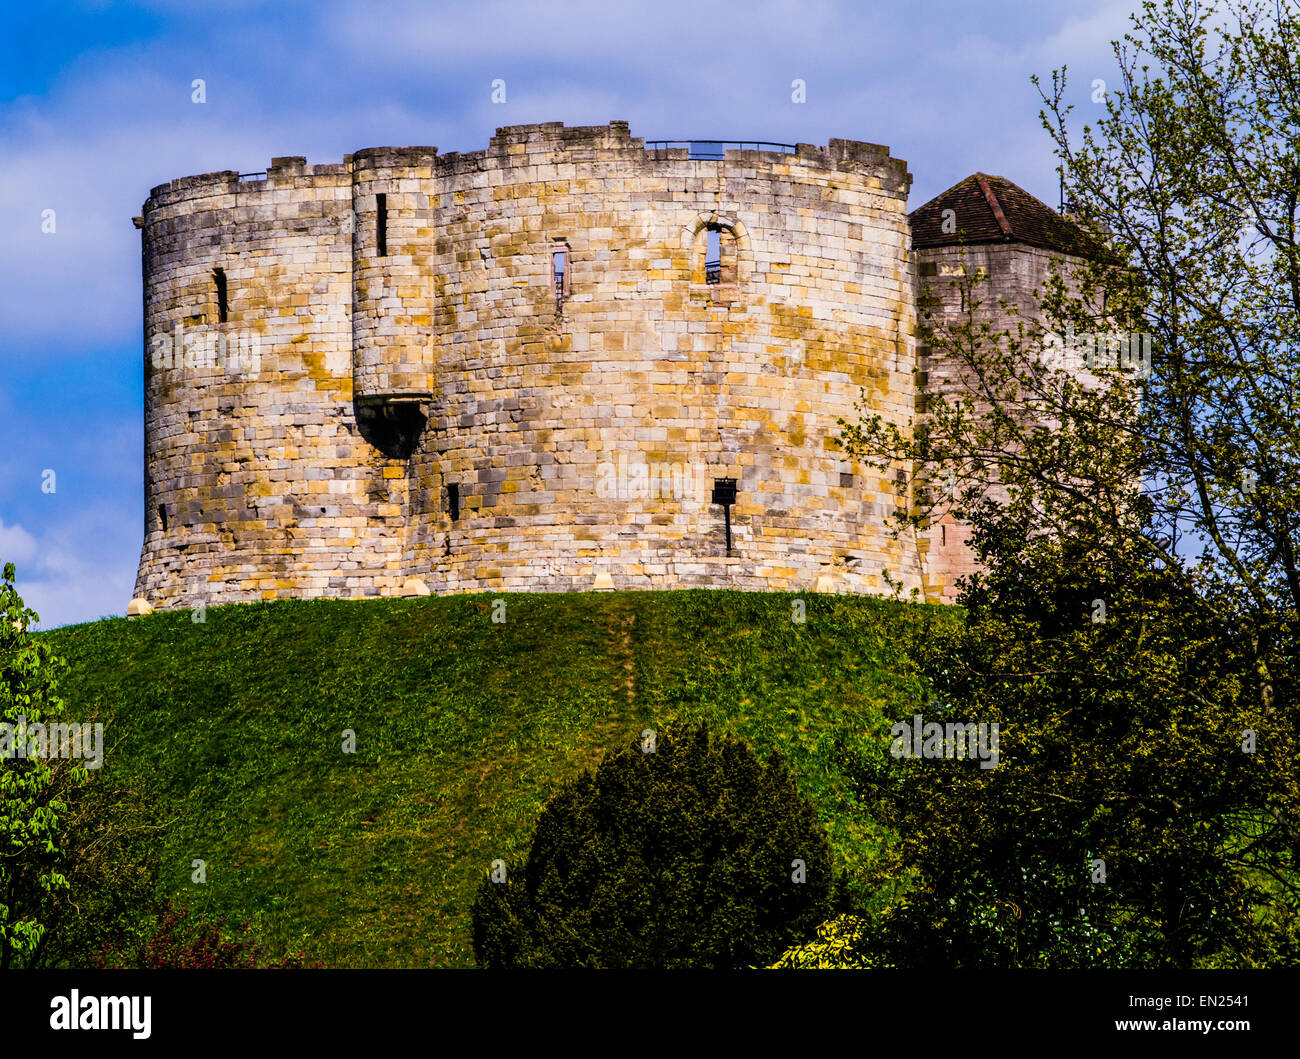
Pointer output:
x,y
567,361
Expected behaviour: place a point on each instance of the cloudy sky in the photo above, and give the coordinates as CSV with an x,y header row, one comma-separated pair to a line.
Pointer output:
x,y
96,108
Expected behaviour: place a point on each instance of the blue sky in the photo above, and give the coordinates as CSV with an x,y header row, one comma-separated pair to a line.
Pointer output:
x,y
95,109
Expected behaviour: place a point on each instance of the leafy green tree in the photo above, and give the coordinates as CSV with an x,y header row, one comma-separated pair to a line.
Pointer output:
x,y
32,858
1125,823
1161,739
109,836
1190,176
694,854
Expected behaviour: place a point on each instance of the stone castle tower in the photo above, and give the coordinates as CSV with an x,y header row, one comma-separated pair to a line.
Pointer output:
x,y
567,361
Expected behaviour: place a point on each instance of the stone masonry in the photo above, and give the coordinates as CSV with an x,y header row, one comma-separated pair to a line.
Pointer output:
x,y
511,370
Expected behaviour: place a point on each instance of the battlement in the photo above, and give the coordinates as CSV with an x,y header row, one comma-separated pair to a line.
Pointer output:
x,y
512,141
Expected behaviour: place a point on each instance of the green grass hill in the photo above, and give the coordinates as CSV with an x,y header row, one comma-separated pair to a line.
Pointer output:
x,y
228,733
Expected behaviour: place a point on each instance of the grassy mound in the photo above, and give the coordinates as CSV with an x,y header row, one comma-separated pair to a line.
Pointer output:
x,y
231,731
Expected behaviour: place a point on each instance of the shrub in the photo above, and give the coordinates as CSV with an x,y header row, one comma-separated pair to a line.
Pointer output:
x,y
841,943
695,854
33,809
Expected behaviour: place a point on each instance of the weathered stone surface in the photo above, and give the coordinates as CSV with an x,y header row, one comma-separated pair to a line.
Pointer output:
x,y
433,412
1006,299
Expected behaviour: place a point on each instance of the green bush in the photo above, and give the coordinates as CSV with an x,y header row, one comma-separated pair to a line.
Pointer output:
x,y
695,854
34,786
841,944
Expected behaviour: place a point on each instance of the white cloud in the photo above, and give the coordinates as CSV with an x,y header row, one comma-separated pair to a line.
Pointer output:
x,y
16,544
70,572
92,153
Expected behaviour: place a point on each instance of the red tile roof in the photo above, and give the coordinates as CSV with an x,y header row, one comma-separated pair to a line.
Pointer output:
x,y
991,209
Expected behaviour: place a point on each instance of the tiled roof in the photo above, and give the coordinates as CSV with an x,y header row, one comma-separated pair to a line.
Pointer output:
x,y
991,209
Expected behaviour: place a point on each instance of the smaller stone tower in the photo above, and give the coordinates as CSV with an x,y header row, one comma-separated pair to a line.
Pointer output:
x,y
983,222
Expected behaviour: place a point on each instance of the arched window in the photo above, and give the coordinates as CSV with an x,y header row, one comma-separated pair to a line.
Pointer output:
x,y
718,249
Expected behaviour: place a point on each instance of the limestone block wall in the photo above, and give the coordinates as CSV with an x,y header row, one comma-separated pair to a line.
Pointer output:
x,y
396,294
257,483
416,360
1015,272
544,415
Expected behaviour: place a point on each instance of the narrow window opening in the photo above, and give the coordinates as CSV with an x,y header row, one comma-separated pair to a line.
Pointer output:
x,y
560,275
713,256
719,254
724,493
943,533
223,307
453,501
162,516
381,223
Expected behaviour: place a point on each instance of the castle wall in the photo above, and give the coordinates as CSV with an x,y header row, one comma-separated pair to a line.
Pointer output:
x,y
1016,273
555,421
251,451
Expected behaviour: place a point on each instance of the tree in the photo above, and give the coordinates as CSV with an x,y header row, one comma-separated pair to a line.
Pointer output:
x,y
1124,822
111,862
693,853
1171,497
32,860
